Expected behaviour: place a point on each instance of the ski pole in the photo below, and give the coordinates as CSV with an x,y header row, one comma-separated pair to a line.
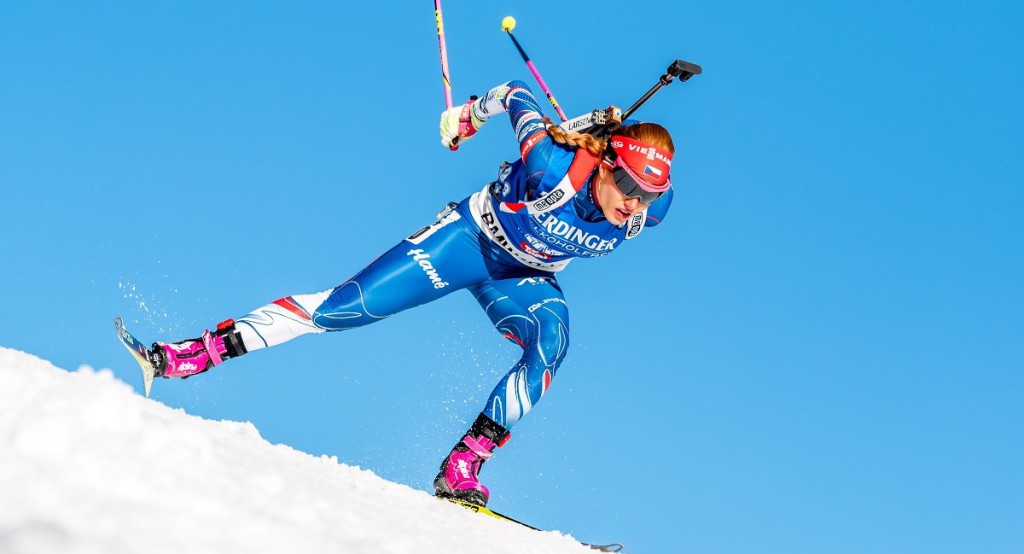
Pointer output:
x,y
444,65
444,55
507,25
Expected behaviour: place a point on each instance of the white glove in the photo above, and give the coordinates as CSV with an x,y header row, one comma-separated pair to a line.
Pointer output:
x,y
458,124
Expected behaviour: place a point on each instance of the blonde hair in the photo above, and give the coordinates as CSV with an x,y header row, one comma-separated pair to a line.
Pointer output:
x,y
590,143
651,133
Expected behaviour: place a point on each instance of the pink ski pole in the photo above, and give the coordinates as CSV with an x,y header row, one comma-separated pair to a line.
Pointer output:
x,y
507,25
444,64
444,55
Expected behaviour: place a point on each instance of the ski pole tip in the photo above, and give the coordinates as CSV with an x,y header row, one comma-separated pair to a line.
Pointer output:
x,y
508,23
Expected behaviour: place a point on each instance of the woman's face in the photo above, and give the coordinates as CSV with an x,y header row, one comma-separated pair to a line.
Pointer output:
x,y
616,207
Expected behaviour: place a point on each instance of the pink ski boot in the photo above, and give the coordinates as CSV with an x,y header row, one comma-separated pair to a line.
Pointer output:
x,y
460,470
189,357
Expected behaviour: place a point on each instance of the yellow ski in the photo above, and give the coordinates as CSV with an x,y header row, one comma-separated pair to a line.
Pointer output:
x,y
615,547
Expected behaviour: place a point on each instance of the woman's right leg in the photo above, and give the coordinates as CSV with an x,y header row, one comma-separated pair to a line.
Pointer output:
x,y
529,310
441,258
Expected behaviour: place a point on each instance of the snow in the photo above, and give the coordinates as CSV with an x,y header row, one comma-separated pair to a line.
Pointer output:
x,y
89,466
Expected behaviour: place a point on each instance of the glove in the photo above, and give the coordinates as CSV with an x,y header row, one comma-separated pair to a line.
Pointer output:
x,y
458,124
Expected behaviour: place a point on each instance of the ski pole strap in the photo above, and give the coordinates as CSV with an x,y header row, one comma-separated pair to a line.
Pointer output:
x,y
466,126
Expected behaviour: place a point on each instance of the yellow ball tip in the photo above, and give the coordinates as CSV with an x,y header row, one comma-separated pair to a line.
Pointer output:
x,y
508,23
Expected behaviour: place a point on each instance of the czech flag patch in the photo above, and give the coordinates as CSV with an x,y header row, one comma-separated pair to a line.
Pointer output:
x,y
651,170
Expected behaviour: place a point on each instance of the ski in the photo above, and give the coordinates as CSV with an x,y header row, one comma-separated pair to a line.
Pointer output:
x,y
614,547
138,351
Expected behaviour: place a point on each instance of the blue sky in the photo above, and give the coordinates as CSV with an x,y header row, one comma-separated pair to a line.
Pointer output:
x,y
819,351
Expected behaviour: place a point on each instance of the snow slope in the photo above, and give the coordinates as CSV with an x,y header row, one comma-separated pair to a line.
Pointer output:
x,y
87,465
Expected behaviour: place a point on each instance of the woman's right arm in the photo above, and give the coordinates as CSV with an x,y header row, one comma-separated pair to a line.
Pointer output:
x,y
515,99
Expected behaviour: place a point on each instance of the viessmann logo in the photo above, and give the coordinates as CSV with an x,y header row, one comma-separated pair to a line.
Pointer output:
x,y
651,153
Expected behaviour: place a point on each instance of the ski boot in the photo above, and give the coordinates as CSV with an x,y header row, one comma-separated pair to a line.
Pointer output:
x,y
460,470
189,357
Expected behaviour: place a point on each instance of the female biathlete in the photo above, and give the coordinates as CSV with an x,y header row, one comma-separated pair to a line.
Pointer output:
x,y
569,195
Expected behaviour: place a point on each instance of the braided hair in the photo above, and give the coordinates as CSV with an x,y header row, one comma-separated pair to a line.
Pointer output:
x,y
651,133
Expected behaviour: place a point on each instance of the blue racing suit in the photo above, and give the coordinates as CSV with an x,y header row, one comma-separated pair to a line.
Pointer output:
x,y
495,243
